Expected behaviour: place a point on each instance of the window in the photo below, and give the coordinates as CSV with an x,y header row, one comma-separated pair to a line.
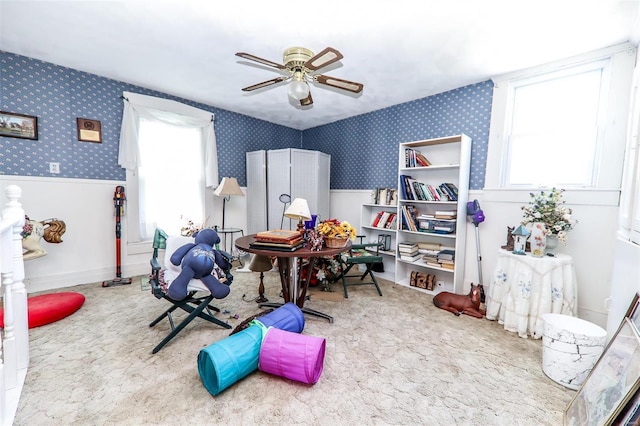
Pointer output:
x,y
170,177
562,124
169,151
544,134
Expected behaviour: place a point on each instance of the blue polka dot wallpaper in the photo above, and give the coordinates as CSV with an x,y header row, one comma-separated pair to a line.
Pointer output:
x,y
58,95
363,149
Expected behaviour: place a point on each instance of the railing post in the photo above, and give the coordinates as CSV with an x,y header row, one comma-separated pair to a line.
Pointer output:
x,y
14,212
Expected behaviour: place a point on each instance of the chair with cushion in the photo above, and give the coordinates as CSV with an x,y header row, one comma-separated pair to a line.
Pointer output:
x,y
197,302
366,254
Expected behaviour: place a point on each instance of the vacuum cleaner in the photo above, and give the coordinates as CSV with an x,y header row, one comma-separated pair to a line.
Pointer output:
x,y
118,201
476,215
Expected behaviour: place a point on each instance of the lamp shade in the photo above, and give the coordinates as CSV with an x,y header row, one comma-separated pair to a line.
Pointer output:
x,y
260,263
299,210
228,186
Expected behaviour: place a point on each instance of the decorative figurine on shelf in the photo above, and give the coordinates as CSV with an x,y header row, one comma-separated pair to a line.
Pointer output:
x,y
510,239
199,260
33,231
458,304
520,235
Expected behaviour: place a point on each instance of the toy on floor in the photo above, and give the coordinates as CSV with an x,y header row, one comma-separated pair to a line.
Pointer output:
x,y
270,342
460,304
199,260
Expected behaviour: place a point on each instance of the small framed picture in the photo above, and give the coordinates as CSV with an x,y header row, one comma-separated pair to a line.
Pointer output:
x,y
18,125
612,383
384,241
89,130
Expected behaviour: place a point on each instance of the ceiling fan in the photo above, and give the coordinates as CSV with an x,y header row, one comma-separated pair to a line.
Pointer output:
x,y
300,66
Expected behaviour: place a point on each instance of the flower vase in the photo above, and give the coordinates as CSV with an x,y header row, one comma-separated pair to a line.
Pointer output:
x,y
551,244
538,239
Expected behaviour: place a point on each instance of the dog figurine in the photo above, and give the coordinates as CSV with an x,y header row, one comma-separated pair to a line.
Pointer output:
x,y
458,304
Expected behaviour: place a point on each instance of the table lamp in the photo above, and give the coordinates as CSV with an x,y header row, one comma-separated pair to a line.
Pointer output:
x,y
262,264
299,209
228,187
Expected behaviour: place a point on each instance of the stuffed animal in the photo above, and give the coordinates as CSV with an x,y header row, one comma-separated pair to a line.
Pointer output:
x,y
198,260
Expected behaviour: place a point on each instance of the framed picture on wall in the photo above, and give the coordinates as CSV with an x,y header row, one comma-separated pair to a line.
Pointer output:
x,y
612,383
89,130
18,125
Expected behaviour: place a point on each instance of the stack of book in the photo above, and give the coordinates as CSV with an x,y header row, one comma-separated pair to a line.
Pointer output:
x,y
408,251
429,252
279,240
446,259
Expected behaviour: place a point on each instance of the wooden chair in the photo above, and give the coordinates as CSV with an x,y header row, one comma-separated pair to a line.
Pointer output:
x,y
366,254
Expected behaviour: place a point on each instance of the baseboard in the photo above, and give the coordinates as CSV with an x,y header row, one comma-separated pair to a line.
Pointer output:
x,y
595,317
72,279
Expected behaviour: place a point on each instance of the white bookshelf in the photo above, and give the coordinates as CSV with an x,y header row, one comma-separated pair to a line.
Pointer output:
x,y
450,159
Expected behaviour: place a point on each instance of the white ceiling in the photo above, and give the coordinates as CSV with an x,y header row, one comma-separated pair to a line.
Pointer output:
x,y
400,50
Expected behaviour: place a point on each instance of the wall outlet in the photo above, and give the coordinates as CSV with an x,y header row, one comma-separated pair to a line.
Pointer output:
x,y
440,283
54,168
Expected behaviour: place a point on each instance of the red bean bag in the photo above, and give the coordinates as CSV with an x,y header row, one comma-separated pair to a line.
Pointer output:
x,y
48,308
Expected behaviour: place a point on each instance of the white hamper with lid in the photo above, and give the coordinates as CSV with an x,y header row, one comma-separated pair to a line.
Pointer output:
x,y
570,348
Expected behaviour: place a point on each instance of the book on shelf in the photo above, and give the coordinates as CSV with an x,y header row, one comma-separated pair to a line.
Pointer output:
x,y
376,219
409,257
391,222
431,262
445,214
446,254
409,214
449,266
383,219
405,187
429,246
408,248
415,158
384,196
449,193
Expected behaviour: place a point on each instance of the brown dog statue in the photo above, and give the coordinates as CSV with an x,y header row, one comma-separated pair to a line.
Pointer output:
x,y
459,304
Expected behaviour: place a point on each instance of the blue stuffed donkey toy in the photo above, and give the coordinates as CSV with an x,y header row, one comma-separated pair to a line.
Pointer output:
x,y
198,260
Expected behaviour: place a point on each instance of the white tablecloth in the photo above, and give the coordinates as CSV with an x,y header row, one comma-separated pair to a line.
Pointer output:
x,y
524,288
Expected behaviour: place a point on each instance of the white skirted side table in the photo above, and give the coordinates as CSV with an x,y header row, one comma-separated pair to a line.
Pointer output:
x,y
570,348
524,288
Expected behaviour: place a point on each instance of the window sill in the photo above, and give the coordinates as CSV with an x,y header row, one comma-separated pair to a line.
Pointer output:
x,y
588,197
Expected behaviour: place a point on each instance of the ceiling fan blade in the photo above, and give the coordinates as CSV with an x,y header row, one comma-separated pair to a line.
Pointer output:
x,y
351,86
260,60
322,59
265,84
306,101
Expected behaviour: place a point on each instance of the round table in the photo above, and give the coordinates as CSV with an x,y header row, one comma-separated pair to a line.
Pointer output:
x,y
292,289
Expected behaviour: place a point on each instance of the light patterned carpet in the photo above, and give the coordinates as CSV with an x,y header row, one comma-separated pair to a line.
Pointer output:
x,y
393,360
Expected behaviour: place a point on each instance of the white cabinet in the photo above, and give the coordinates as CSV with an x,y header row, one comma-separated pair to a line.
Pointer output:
x,y
374,234
297,172
449,161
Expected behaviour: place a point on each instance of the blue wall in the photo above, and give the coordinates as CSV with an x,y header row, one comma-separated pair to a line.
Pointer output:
x,y
58,95
363,149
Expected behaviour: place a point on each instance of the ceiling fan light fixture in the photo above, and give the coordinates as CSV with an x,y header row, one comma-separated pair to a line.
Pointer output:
x,y
298,88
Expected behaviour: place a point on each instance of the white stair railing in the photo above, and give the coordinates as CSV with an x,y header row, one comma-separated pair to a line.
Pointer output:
x,y
14,337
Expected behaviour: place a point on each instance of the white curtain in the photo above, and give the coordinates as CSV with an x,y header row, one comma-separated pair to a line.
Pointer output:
x,y
172,112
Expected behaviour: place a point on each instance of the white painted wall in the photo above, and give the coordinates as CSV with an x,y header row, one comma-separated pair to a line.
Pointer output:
x,y
87,254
